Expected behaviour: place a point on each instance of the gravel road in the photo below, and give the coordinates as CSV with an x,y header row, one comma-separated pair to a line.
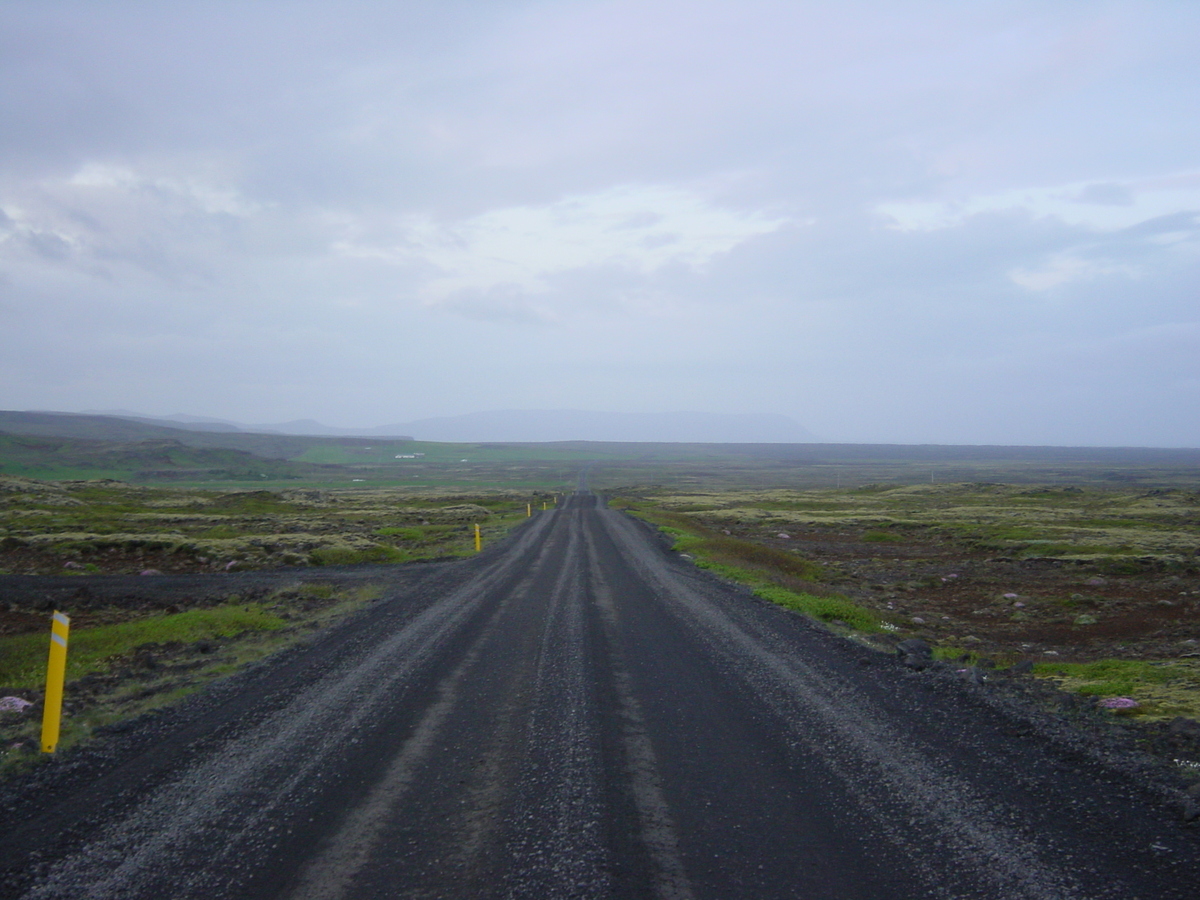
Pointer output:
x,y
578,713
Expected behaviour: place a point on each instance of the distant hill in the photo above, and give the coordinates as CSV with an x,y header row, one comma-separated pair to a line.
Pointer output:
x,y
46,456
191,423
118,428
531,426
293,427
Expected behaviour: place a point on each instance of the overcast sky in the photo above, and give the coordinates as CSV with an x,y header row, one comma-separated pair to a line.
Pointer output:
x,y
950,222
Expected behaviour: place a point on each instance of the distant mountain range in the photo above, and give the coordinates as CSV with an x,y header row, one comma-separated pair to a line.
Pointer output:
x,y
528,426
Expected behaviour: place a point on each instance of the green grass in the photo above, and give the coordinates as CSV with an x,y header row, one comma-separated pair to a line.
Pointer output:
x,y
410,533
765,570
1115,677
1163,689
218,532
826,609
23,657
882,537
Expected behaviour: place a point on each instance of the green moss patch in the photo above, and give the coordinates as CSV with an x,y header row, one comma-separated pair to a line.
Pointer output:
x,y
826,609
1162,689
23,657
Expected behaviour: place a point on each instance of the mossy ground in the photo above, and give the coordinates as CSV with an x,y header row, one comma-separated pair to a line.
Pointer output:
x,y
94,527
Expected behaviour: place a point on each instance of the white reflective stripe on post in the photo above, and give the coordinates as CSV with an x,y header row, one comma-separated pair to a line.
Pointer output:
x,y
62,619
58,639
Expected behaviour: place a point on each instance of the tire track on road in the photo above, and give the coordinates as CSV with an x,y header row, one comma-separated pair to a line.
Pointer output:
x,y
658,832
554,842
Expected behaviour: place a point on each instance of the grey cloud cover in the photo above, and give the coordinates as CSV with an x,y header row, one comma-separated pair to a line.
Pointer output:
x,y
890,221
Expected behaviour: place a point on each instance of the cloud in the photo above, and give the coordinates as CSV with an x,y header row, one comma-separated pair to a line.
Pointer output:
x,y
1103,207
1101,229
1107,194
111,221
1061,269
495,259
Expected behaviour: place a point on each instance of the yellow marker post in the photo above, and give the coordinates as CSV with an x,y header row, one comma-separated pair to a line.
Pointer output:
x,y
543,504
478,540
56,673
528,510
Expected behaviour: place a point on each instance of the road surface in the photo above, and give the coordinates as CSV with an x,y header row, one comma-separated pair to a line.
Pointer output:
x,y
579,713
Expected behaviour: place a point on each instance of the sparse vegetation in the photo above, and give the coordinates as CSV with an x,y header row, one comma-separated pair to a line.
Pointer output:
x,y
117,528
830,609
1161,688
1116,527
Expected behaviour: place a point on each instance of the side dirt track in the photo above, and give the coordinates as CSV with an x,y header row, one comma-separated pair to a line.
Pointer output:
x,y
576,712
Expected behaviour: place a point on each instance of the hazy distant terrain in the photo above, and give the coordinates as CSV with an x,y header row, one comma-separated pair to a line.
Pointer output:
x,y
530,425
62,446
577,425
